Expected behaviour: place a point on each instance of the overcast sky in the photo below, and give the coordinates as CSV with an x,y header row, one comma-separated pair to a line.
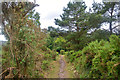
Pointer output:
x,y
51,9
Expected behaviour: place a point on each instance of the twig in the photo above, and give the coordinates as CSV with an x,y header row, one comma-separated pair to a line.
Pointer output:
x,y
7,70
10,43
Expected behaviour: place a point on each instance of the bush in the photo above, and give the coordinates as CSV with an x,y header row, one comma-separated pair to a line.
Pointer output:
x,y
45,64
57,53
105,61
62,52
53,55
98,59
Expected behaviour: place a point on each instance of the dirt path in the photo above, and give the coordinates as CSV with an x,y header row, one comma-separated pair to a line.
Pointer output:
x,y
62,67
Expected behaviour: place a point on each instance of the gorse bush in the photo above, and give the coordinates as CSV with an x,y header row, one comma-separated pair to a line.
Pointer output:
x,y
45,64
115,43
98,59
62,52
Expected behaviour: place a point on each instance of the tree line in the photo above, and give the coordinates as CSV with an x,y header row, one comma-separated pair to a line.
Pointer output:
x,y
93,51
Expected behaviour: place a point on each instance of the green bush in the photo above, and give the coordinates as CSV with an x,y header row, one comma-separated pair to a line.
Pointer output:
x,y
115,43
45,64
54,55
62,52
98,59
57,53
105,61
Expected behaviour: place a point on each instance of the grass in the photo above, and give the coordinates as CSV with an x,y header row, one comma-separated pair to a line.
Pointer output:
x,y
53,69
69,68
55,66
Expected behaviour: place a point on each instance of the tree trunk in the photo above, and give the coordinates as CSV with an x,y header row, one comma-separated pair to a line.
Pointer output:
x,y
119,20
110,27
77,27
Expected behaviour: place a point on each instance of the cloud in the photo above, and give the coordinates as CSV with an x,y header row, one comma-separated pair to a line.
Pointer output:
x,y
51,16
2,38
49,10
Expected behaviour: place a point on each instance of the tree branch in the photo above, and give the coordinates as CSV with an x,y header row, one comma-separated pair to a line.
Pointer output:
x,y
115,26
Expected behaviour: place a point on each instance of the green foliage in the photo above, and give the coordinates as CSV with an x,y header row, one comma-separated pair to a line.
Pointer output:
x,y
70,15
46,56
62,52
45,64
96,18
50,42
59,43
106,59
54,54
115,43
84,22
60,40
57,53
77,40
25,41
100,34
55,32
98,59
90,53
5,52
108,11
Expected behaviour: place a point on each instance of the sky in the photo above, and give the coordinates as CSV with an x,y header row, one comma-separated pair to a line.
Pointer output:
x,y
51,9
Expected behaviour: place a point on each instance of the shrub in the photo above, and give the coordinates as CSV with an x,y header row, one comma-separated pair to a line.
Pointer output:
x,y
45,64
57,53
62,52
105,63
98,59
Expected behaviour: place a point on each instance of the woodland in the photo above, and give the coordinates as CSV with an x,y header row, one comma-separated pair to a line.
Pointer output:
x,y
78,48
